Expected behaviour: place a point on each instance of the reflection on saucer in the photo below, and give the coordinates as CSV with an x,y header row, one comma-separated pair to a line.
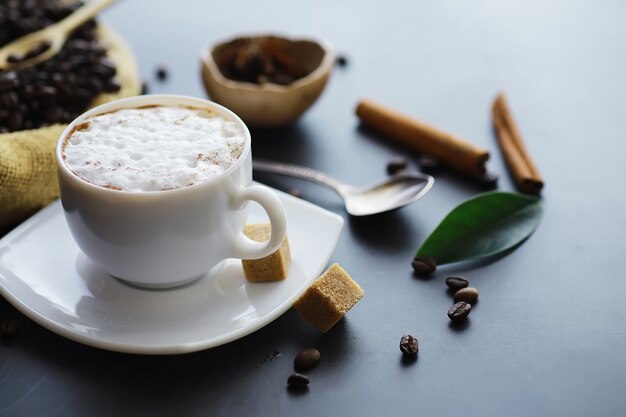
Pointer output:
x,y
44,275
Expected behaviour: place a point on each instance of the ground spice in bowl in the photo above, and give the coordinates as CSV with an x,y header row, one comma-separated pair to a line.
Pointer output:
x,y
260,60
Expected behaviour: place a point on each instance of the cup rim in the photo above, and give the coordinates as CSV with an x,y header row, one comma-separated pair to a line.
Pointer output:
x,y
142,100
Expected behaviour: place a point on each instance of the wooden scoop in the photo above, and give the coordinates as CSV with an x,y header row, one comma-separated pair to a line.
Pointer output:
x,y
49,39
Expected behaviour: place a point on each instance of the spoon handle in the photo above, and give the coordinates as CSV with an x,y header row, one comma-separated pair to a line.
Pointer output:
x,y
83,14
300,172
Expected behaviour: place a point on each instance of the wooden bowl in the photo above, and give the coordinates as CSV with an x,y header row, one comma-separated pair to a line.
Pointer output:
x,y
269,104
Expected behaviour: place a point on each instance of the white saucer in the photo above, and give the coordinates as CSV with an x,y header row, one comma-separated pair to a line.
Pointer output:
x,y
45,276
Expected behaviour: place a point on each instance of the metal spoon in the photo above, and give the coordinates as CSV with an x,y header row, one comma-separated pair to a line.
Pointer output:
x,y
54,36
396,191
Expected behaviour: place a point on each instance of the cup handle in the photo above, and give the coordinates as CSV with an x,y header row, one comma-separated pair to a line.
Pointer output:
x,y
245,248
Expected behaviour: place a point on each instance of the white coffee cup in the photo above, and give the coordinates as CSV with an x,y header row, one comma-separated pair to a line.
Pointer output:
x,y
162,239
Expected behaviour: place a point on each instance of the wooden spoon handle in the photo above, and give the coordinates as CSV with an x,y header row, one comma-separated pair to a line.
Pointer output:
x,y
82,15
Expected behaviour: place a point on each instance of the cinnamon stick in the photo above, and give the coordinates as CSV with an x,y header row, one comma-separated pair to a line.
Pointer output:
x,y
521,165
451,150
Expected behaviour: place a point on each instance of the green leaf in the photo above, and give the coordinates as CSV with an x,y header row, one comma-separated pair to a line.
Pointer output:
x,y
483,226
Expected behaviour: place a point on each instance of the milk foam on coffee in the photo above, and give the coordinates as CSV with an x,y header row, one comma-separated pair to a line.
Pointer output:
x,y
153,148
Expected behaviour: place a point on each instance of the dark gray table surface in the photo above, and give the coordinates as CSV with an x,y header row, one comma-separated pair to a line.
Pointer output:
x,y
547,337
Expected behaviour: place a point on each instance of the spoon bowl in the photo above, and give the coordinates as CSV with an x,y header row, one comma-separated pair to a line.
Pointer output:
x,y
389,194
394,192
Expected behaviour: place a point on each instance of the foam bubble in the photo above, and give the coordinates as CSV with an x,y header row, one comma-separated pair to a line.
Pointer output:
x,y
153,148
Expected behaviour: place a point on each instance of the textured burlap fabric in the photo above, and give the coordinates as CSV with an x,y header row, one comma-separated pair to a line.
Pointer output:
x,y
27,158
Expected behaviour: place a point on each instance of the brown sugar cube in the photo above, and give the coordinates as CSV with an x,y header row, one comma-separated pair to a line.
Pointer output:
x,y
329,298
271,268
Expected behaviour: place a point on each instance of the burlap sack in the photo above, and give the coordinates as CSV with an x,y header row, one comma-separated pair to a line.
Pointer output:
x,y
27,158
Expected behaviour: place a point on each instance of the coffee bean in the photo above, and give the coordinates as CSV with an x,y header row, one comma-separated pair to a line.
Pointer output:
x,y
71,8
16,121
53,114
78,61
459,311
68,116
32,106
41,78
85,32
65,66
38,50
98,49
396,165
307,359
78,46
161,73
456,283
28,92
424,265
469,295
82,96
9,100
113,86
26,76
58,79
297,380
341,60
14,59
9,327
106,68
45,92
409,345
101,72
489,180
66,92
9,80
71,79
29,24
428,164
95,85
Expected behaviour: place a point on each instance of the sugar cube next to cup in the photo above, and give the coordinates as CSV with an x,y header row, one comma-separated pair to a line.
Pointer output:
x,y
329,298
271,268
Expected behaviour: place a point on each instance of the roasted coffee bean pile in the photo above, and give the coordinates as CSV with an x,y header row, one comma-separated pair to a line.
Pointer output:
x,y
57,90
20,17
